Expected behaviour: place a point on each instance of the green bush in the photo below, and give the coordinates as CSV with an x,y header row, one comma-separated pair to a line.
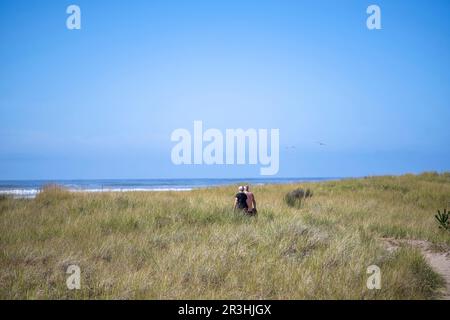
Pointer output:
x,y
295,197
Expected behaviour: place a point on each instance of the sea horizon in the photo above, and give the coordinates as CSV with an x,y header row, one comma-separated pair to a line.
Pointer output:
x,y
30,188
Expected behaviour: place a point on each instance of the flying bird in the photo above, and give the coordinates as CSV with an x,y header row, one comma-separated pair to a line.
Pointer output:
x,y
289,148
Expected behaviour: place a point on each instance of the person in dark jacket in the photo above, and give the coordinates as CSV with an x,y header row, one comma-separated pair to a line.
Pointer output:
x,y
240,201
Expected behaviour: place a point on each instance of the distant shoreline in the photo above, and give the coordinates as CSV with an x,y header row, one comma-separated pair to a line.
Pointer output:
x,y
30,188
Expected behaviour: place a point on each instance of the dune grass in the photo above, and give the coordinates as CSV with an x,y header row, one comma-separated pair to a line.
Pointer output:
x,y
190,245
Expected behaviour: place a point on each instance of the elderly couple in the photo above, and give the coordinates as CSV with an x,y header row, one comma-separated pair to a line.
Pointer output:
x,y
245,201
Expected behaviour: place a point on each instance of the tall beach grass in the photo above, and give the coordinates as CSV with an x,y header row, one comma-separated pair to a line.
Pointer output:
x,y
191,245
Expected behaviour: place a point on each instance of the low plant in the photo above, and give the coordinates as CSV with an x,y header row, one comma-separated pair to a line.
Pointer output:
x,y
443,219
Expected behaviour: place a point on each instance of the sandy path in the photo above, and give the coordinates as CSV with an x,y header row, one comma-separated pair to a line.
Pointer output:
x,y
439,261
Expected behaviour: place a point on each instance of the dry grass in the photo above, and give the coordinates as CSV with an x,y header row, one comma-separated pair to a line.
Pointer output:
x,y
191,245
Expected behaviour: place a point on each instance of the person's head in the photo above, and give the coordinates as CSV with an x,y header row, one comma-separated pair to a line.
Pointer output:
x,y
241,188
246,188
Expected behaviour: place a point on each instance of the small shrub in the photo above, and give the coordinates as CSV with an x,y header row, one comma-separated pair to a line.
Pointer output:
x,y
295,197
52,193
3,197
443,219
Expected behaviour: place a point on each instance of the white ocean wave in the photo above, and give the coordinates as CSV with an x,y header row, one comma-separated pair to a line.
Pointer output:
x,y
31,193
20,192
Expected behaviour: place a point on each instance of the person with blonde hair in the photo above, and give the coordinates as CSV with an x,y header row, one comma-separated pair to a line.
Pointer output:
x,y
251,202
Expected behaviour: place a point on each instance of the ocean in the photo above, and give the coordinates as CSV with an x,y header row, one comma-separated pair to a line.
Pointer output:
x,y
30,188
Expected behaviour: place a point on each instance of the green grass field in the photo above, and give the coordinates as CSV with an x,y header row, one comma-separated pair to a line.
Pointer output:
x,y
190,245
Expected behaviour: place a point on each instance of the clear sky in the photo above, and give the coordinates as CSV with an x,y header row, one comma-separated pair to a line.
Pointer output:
x,y
101,102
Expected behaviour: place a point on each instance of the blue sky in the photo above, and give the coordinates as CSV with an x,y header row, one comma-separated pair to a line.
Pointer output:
x,y
101,102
